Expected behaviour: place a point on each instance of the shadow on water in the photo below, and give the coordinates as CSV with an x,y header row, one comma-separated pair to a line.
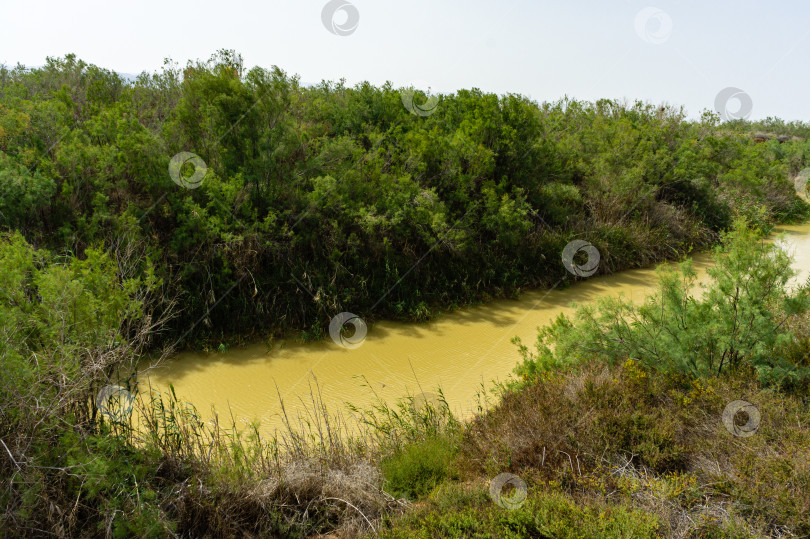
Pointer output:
x,y
501,313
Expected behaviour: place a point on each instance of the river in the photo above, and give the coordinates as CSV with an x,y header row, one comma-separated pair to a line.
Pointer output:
x,y
459,352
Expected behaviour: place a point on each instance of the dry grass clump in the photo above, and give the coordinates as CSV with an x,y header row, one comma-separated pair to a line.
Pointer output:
x,y
302,498
315,476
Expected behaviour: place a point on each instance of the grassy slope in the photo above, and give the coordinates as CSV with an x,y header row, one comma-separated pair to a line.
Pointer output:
x,y
622,452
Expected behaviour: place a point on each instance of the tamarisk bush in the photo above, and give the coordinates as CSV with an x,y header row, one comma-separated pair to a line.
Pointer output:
x,y
735,322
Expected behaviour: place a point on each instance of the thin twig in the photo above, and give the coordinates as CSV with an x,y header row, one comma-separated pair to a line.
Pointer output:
x,y
358,510
569,460
10,455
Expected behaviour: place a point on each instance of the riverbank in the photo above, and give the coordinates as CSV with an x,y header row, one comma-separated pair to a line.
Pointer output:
x,y
602,446
683,417
416,469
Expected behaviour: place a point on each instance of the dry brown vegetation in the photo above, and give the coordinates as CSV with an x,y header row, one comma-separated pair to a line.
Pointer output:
x,y
619,435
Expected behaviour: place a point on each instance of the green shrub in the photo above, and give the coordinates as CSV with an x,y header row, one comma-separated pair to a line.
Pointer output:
x,y
23,194
561,201
458,511
415,469
737,323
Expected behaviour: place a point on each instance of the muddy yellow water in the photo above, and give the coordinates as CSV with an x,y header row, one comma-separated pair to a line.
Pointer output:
x,y
459,352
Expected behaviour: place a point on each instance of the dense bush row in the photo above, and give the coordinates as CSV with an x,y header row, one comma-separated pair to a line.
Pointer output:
x,y
325,199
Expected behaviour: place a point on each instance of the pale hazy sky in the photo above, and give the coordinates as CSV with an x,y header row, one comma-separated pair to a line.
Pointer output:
x,y
680,52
